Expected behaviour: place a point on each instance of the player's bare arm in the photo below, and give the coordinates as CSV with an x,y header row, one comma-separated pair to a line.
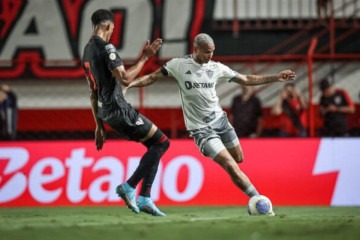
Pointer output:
x,y
127,76
100,135
283,76
145,80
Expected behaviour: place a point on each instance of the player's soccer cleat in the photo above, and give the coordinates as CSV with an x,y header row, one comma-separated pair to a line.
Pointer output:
x,y
127,193
271,214
147,205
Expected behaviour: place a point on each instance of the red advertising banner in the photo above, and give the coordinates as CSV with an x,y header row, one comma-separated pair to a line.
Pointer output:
x,y
289,171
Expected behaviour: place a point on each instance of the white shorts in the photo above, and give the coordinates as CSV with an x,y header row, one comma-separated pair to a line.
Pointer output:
x,y
213,139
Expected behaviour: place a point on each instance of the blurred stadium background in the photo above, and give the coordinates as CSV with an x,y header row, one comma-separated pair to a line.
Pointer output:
x,y
40,51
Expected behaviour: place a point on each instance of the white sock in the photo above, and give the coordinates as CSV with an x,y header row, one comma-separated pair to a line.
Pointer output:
x,y
251,191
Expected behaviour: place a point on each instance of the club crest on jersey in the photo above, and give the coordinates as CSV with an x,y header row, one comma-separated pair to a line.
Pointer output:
x,y
337,100
209,73
112,56
139,121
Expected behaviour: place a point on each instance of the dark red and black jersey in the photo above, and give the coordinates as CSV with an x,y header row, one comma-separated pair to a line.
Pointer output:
x,y
336,119
246,115
99,59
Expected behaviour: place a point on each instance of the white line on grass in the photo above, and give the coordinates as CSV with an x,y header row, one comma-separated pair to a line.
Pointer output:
x,y
209,219
153,221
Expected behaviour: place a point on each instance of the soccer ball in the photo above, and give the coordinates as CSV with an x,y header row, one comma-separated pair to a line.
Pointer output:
x,y
260,205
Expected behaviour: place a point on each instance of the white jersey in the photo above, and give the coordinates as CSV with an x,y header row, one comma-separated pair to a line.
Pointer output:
x,y
197,82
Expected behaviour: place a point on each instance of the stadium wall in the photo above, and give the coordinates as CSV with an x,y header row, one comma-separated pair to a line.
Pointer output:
x,y
319,172
63,105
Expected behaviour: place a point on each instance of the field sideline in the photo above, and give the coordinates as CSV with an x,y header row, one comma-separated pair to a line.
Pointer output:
x,y
181,223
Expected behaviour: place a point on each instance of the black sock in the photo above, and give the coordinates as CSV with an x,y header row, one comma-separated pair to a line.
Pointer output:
x,y
157,145
146,162
148,180
151,173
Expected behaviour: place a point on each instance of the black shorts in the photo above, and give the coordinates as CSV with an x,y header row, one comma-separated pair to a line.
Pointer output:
x,y
129,123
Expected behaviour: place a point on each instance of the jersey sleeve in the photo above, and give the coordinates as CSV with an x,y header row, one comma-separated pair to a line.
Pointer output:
x,y
112,58
171,67
226,72
347,98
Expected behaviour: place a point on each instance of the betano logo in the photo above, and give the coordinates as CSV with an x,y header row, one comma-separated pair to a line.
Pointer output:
x,y
71,172
57,173
341,155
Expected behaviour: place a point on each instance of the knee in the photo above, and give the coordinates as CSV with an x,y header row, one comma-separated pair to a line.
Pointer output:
x,y
159,140
165,145
229,165
239,158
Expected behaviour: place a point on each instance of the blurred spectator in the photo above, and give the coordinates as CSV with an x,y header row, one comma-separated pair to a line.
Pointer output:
x,y
334,105
323,8
246,113
290,106
8,113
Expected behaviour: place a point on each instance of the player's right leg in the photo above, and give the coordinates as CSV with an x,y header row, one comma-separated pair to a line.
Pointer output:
x,y
231,142
138,128
127,193
157,144
236,153
217,151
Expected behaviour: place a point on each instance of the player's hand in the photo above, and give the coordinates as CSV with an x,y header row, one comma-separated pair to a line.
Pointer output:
x,y
100,136
151,49
286,75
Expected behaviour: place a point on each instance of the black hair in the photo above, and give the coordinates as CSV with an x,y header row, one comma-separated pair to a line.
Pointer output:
x,y
324,84
101,15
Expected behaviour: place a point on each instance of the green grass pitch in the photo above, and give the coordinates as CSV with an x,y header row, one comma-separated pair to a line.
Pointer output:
x,y
180,223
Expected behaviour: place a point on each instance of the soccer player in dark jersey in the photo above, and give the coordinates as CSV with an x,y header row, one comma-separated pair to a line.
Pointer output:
x,y
105,74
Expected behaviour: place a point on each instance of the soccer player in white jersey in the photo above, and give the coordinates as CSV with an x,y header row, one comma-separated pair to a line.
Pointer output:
x,y
197,75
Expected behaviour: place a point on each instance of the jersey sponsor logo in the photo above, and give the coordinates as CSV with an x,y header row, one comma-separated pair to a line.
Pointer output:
x,y
190,85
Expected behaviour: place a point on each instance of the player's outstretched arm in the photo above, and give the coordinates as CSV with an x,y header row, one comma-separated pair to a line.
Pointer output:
x,y
148,51
145,80
127,76
283,76
100,135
